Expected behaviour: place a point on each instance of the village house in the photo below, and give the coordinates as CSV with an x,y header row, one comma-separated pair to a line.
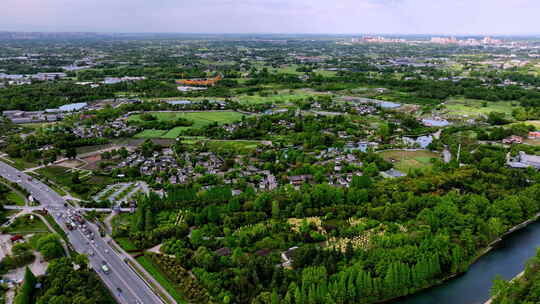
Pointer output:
x,y
534,135
524,160
514,139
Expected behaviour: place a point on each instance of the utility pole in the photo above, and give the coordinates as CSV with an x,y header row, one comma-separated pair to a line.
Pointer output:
x,y
458,153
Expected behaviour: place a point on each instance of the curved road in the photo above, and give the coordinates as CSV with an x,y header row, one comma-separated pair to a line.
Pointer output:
x,y
126,286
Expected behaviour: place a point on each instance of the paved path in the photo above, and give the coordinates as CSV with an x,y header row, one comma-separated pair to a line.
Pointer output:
x,y
447,155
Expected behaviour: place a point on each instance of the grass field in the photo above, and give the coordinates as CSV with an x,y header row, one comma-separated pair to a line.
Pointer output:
x,y
274,99
126,244
154,270
238,146
199,119
25,225
38,125
14,198
406,160
151,134
474,108
18,163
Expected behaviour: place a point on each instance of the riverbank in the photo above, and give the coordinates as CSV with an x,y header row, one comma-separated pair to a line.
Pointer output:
x,y
479,273
513,279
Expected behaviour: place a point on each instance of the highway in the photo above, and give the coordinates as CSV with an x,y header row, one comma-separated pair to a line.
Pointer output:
x,y
126,286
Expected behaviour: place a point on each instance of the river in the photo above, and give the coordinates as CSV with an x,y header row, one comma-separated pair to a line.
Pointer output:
x,y
506,259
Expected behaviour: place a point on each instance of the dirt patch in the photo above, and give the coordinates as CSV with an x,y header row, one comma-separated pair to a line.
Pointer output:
x,y
92,161
71,163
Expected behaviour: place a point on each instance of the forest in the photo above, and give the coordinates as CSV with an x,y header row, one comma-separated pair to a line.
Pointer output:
x,y
374,241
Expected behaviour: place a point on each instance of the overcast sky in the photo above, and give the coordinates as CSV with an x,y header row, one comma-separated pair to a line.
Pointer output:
x,y
274,16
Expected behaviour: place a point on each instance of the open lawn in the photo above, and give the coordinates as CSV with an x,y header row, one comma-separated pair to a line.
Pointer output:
x,y
151,134
126,244
474,108
405,160
14,198
238,146
274,99
199,119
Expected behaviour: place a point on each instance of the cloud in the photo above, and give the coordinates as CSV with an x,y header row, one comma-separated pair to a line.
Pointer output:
x,y
275,16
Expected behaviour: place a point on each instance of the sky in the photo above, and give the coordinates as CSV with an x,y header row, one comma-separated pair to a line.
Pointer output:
x,y
452,17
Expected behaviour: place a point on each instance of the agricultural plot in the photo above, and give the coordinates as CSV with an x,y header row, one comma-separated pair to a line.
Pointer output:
x,y
405,160
65,177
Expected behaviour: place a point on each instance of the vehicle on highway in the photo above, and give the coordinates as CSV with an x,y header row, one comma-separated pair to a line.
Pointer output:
x,y
105,269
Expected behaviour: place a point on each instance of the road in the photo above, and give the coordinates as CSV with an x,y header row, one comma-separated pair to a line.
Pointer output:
x,y
126,286
447,155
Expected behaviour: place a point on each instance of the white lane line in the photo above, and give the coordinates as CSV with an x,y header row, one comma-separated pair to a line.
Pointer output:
x,y
103,258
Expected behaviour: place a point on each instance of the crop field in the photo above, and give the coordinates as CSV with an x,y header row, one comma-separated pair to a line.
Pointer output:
x,y
199,119
406,160
474,108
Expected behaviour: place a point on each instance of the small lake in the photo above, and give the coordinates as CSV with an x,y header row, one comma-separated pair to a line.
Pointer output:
x,y
507,259
389,105
436,122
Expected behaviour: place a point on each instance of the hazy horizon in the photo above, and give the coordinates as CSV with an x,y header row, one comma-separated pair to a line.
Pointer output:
x,y
340,17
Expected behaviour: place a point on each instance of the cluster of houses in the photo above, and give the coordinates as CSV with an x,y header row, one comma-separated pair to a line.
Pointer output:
x,y
193,166
114,129
514,139
18,79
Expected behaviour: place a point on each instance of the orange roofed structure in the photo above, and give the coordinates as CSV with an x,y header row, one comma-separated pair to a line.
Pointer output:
x,y
200,82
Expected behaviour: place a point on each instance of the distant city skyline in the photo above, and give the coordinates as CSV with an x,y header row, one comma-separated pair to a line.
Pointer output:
x,y
429,17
